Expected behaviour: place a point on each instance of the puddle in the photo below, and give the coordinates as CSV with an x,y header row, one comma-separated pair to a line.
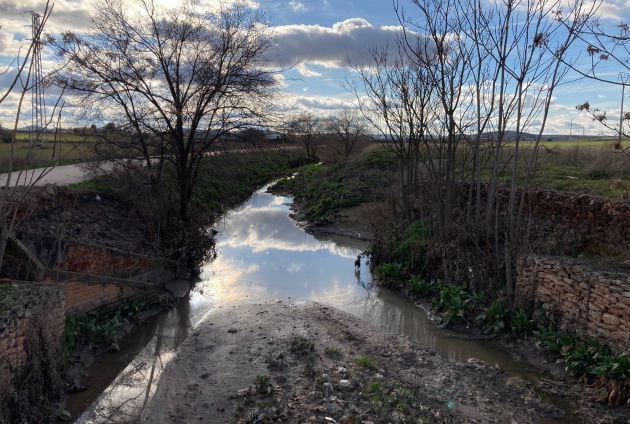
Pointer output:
x,y
263,255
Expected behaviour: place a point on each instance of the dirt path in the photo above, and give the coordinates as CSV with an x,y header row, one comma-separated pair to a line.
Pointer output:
x,y
285,363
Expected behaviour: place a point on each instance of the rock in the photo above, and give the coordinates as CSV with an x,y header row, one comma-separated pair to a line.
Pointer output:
x,y
232,330
378,376
64,415
342,370
345,384
328,389
243,392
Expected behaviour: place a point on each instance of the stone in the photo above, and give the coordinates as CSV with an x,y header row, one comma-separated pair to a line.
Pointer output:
x,y
610,319
328,389
243,392
342,370
64,415
345,384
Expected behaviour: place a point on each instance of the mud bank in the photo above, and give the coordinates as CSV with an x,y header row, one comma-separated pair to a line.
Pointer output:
x,y
312,363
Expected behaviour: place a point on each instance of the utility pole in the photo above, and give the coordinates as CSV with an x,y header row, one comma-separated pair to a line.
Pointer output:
x,y
38,102
624,79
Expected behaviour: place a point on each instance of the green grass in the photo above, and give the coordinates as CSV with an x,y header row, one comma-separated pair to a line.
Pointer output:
x,y
565,144
366,362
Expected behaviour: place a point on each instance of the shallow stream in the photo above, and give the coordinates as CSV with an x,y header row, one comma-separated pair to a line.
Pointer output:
x,y
263,255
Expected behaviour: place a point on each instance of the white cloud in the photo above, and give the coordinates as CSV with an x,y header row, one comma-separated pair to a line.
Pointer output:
x,y
306,72
344,43
297,6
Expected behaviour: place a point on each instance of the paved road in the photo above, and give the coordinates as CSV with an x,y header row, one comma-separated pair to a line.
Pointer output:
x,y
70,174
60,175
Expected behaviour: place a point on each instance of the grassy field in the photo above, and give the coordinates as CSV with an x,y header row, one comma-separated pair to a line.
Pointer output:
x,y
70,149
568,144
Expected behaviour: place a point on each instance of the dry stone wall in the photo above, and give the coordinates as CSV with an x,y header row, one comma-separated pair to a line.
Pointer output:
x,y
602,225
582,297
31,314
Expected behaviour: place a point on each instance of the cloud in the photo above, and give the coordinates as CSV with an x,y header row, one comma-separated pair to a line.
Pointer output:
x,y
306,72
344,43
614,9
316,104
297,6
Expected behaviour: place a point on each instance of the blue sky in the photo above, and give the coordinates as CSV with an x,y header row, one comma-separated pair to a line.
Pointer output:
x,y
316,37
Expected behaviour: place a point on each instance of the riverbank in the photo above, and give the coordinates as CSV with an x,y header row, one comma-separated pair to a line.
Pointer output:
x,y
313,363
476,316
106,219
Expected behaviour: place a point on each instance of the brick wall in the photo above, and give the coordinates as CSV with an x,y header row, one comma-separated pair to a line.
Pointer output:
x,y
84,296
101,261
37,310
583,297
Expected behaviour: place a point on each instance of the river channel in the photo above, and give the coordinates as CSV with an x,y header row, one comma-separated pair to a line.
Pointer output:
x,y
263,255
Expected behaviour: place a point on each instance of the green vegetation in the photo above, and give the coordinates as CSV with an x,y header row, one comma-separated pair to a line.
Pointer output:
x,y
229,179
263,384
98,185
389,273
97,329
591,361
366,362
596,168
521,324
401,402
323,190
495,318
418,286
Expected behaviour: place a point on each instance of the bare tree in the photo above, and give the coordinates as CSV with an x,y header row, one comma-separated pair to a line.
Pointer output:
x,y
467,77
309,130
348,128
175,80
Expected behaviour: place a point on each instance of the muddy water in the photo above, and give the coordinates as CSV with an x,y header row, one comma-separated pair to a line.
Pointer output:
x,y
263,255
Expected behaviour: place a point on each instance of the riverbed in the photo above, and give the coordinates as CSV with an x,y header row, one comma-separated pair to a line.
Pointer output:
x,y
264,256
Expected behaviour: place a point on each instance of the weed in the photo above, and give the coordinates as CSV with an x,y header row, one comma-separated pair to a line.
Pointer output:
x,y
366,362
553,341
454,302
301,346
263,384
309,369
389,273
410,250
333,352
382,159
521,324
584,357
377,397
418,286
494,318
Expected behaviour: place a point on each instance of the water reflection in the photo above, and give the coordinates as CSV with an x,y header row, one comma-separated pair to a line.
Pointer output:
x,y
151,347
263,255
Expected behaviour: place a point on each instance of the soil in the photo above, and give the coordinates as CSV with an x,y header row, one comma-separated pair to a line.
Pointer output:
x,y
286,363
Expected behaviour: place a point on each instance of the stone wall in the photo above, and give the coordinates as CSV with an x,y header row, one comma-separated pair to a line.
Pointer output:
x,y
602,225
583,297
31,318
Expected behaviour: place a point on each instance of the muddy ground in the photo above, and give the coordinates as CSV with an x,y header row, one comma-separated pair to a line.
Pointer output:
x,y
285,363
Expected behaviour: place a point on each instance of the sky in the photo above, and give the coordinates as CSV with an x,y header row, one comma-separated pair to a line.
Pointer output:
x,y
314,39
